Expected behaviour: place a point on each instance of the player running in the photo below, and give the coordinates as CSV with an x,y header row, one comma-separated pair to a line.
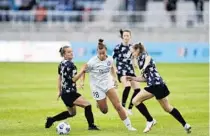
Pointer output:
x,y
68,92
122,55
102,83
156,86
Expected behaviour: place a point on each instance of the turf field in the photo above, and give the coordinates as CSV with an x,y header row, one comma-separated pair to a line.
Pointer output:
x,y
28,95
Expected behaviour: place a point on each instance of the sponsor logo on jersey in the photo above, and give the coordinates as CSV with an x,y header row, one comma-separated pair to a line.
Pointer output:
x,y
108,63
103,71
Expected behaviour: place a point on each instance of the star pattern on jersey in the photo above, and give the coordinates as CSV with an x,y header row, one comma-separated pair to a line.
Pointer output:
x,y
67,71
64,85
123,55
151,74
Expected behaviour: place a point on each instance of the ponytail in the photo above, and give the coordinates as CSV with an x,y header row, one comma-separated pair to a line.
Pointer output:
x,y
122,31
62,50
139,46
101,45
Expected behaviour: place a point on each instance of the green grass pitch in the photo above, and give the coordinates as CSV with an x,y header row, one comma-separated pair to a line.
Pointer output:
x,y
28,95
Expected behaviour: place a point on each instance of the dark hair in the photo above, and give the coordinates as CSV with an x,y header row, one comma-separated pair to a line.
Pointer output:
x,y
122,31
101,45
139,46
62,50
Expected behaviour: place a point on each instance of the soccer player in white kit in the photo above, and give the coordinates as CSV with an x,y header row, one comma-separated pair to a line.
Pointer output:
x,y
102,82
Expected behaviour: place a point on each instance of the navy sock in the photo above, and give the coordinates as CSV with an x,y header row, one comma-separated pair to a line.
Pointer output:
x,y
136,91
177,115
143,110
125,95
89,115
61,116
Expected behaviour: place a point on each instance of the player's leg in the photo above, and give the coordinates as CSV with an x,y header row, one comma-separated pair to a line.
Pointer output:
x,y
102,105
112,95
100,97
82,102
127,88
138,102
174,112
135,86
61,116
68,101
141,97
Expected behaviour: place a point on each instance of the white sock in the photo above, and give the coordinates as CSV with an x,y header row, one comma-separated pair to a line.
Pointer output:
x,y
127,122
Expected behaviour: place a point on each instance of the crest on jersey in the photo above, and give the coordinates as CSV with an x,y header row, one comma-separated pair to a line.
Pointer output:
x,y
108,63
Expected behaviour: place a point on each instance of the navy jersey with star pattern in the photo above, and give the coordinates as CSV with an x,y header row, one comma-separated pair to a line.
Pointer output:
x,y
123,57
67,70
151,74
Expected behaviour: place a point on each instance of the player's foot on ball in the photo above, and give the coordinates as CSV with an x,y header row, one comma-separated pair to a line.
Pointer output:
x,y
49,122
132,129
149,125
129,111
187,128
93,127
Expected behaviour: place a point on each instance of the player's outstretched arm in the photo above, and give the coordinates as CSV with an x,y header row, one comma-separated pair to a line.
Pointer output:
x,y
82,71
82,81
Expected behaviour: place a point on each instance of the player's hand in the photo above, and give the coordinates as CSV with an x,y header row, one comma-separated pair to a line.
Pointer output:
x,y
59,95
81,85
84,68
116,83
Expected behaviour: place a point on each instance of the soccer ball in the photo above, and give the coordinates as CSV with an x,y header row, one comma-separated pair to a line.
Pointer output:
x,y
63,128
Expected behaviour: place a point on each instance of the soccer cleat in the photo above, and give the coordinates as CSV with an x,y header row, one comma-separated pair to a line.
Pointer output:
x,y
149,125
93,127
49,122
187,128
132,129
129,112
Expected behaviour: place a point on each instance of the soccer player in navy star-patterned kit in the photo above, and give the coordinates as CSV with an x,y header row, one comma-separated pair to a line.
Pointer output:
x,y
122,55
68,92
155,85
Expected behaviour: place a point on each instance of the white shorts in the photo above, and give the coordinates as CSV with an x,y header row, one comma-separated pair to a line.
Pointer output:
x,y
99,93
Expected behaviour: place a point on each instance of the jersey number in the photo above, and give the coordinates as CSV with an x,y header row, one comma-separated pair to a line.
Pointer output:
x,y
96,94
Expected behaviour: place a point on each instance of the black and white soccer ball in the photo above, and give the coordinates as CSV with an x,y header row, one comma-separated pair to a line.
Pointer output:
x,y
63,128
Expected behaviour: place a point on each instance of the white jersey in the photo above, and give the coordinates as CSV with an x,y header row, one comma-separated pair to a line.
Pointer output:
x,y
100,74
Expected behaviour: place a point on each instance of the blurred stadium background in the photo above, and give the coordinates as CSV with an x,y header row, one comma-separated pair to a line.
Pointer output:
x,y
176,34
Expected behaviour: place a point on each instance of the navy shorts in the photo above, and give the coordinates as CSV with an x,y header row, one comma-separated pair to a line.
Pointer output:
x,y
69,98
127,74
159,91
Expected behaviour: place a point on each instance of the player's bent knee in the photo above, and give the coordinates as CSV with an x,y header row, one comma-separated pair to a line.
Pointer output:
x,y
72,113
87,104
135,102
